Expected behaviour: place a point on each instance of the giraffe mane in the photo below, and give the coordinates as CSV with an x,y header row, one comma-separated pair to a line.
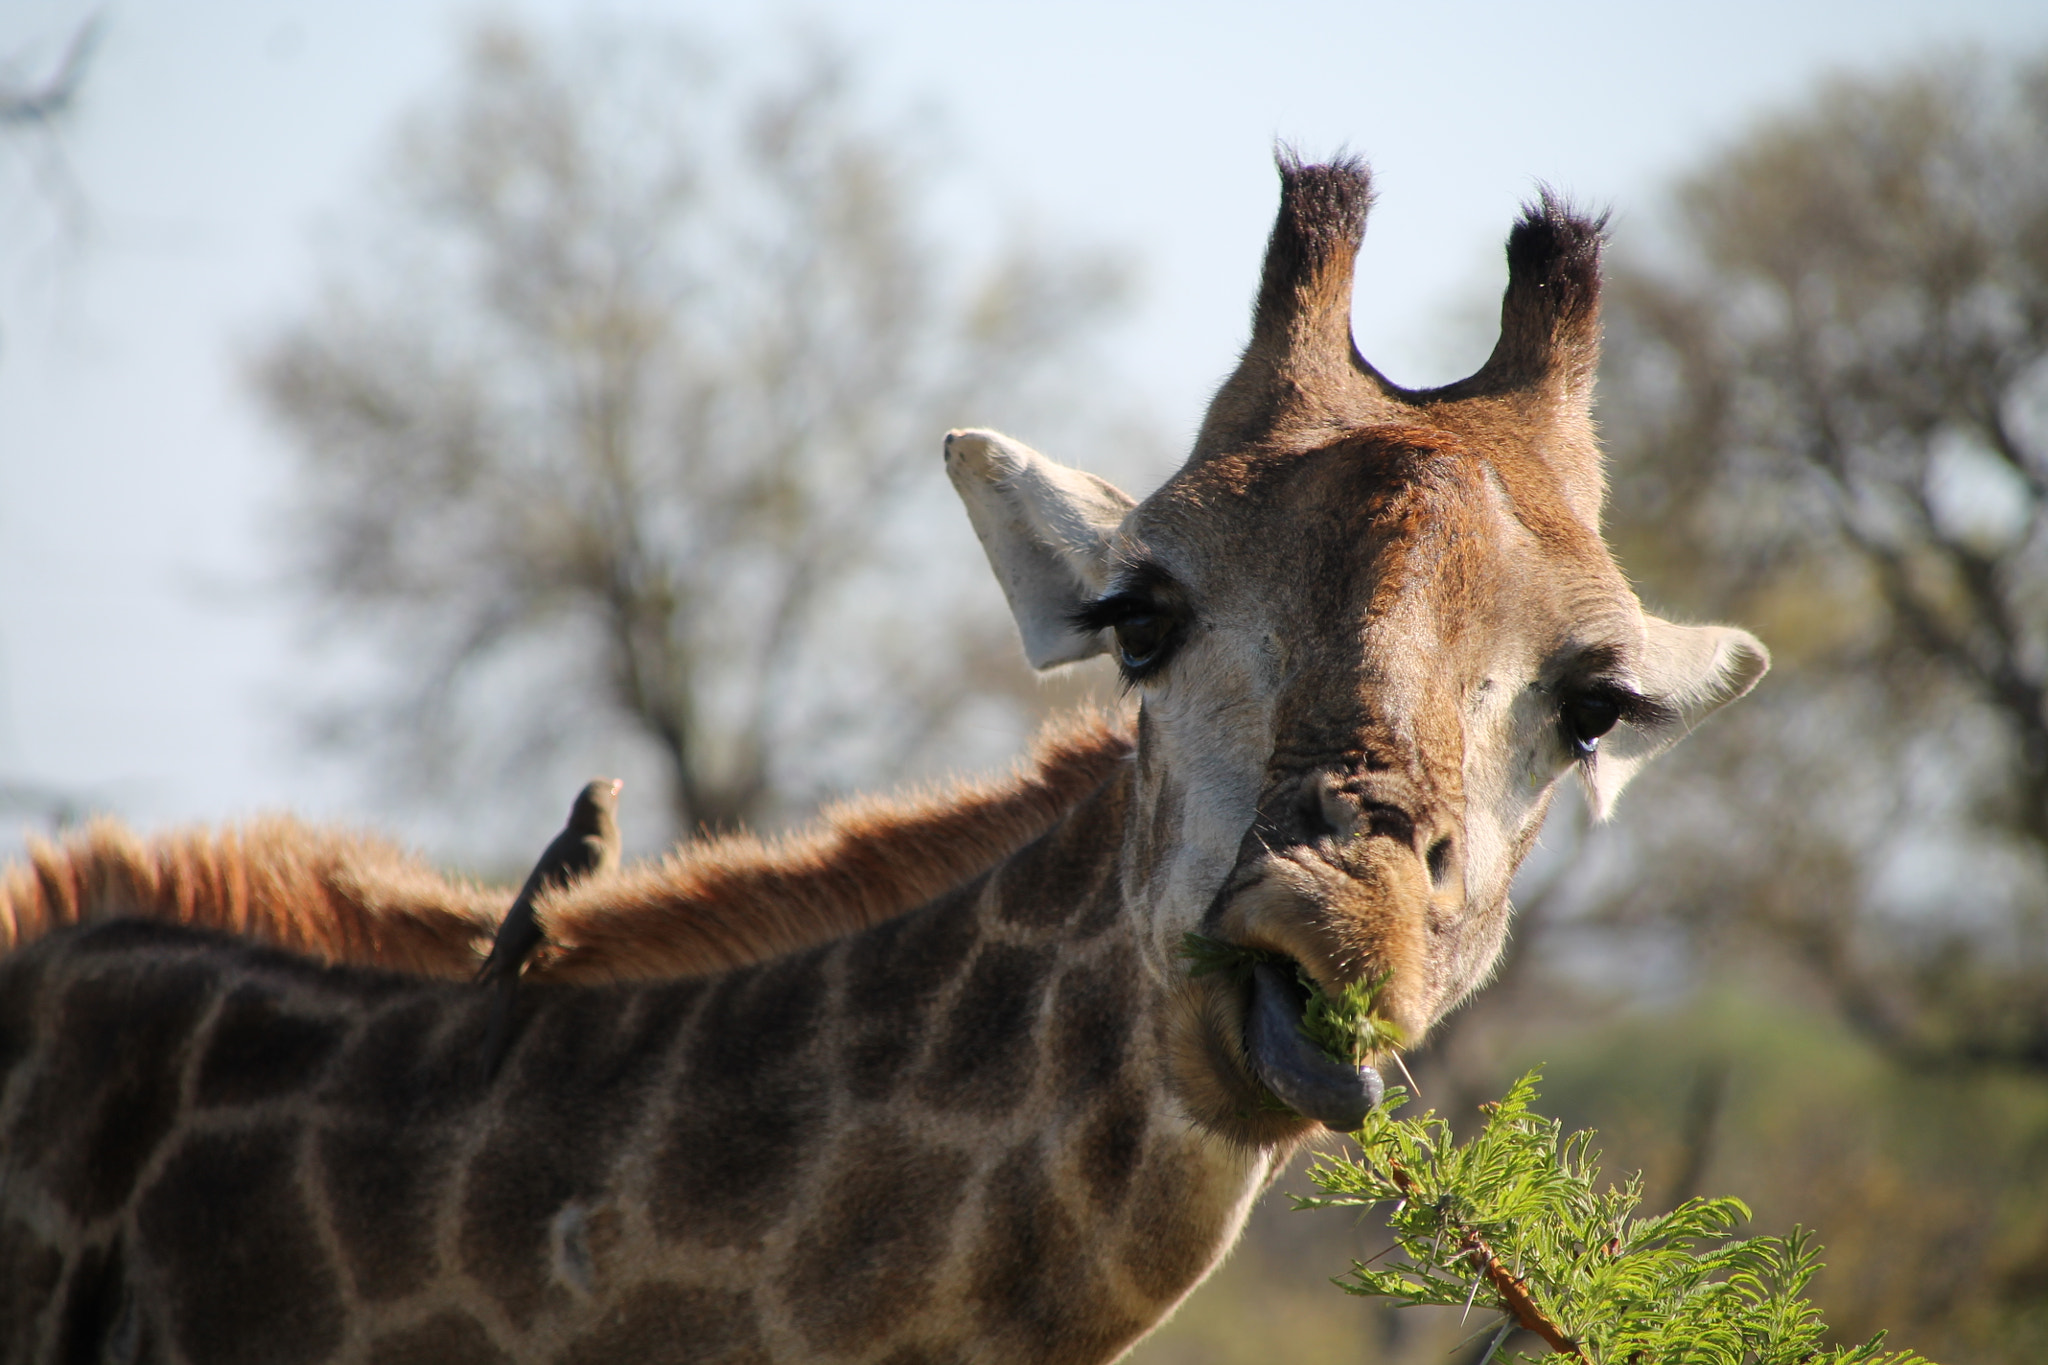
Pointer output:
x,y
350,897
336,894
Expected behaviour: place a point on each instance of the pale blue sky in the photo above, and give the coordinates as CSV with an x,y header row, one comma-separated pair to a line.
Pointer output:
x,y
139,663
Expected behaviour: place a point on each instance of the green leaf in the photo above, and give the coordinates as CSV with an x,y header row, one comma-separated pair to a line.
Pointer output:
x,y
1672,1289
1345,1026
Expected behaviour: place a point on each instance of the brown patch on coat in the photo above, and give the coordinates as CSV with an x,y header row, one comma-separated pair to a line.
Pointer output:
x,y
263,1292
755,1098
924,1355
894,974
1177,1227
29,1271
1092,1020
584,1080
444,1339
657,1323
95,1302
1035,1274
984,1057
377,1179
1067,876
865,1261
1111,1147
259,1048
348,897
105,1092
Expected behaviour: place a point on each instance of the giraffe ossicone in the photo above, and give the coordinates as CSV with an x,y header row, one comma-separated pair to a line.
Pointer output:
x,y
1369,631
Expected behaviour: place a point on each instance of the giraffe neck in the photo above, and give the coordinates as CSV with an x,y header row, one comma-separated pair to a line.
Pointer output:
x,y
947,1137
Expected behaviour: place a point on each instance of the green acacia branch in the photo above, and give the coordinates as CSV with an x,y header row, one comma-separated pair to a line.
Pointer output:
x,y
1516,1221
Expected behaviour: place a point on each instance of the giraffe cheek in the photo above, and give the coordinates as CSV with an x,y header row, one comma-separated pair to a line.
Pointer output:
x,y
1203,1038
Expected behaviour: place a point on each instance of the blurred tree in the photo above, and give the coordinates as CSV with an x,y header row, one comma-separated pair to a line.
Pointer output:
x,y
632,418
42,208
35,98
1827,411
39,100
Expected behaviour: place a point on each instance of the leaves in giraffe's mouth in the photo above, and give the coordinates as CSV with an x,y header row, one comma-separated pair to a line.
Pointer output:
x,y
1291,1065
1306,1047
1205,955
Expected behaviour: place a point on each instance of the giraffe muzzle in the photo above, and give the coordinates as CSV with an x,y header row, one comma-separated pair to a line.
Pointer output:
x,y
1339,922
1299,1073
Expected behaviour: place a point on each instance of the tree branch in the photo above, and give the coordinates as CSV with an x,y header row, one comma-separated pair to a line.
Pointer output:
x,y
41,103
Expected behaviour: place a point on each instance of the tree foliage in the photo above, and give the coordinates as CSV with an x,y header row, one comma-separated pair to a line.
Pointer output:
x,y
1515,1222
622,418
1826,403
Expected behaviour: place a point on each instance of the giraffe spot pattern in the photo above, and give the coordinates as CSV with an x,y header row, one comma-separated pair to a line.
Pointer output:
x,y
379,1181
924,1355
1090,876
1035,1274
444,1339
984,1059
30,1269
259,1049
865,1262
97,1322
894,972
583,1080
106,1092
1112,1144
579,1042
754,1084
1091,1022
21,983
390,1074
747,1106
1174,1233
662,1324
1051,879
227,1235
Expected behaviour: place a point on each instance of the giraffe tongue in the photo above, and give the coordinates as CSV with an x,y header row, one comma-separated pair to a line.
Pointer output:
x,y
1295,1069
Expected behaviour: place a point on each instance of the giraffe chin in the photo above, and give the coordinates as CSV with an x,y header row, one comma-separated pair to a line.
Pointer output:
x,y
1295,1069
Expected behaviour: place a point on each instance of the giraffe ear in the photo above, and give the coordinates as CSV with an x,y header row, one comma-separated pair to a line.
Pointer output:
x,y
1689,672
1046,529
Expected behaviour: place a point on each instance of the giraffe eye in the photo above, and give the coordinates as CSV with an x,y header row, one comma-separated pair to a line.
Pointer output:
x,y
1586,717
1140,638
1148,620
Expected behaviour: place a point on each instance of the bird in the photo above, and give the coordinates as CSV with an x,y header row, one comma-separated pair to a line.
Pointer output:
x,y
587,845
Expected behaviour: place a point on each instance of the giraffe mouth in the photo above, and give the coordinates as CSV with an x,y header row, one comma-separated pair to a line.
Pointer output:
x,y
1297,1072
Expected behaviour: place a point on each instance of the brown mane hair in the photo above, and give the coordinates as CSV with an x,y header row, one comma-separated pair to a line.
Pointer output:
x,y
349,897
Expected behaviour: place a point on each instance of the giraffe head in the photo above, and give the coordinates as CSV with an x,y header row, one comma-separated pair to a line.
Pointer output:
x,y
1371,630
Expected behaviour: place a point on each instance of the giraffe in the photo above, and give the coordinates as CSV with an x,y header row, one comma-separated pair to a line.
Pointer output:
x,y
1369,631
